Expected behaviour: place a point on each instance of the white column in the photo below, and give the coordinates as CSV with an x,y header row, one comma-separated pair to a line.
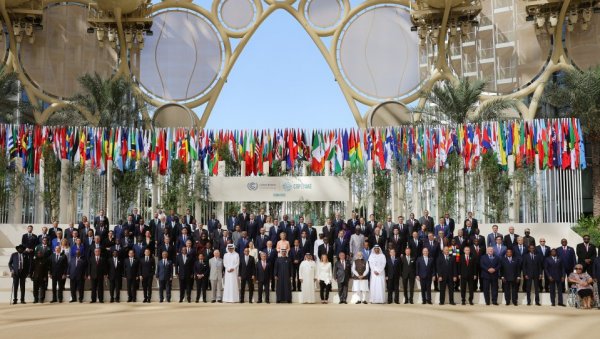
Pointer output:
x,y
370,188
242,174
221,213
327,173
462,198
63,215
511,191
349,203
87,183
416,194
538,190
394,194
198,206
266,168
155,186
437,212
39,195
109,191
401,196
15,213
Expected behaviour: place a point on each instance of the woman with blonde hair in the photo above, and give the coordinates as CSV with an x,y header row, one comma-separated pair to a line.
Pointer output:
x,y
65,248
325,275
253,251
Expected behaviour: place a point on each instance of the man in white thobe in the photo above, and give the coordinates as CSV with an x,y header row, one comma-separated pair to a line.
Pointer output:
x,y
308,273
377,262
231,262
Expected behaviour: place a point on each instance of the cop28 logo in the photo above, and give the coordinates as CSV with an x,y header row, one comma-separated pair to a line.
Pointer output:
x,y
252,186
287,186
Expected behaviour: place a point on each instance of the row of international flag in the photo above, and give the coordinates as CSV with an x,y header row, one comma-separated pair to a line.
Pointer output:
x,y
558,142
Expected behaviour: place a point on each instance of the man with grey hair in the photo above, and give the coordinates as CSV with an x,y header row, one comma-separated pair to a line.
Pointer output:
x,y
215,265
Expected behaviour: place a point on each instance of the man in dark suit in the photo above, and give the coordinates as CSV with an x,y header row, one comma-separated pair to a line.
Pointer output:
x,y
490,266
340,245
415,244
566,254
188,218
377,238
296,255
478,251
131,227
472,220
393,273
261,217
201,274
306,244
544,252
510,239
271,259
253,225
29,241
413,225
510,274
100,219
96,272
427,220
76,275
231,222
20,267
425,270
166,246
341,274
293,232
328,231
554,272
468,231
164,274
492,237
445,271
102,231
52,232
408,272
185,272
147,271
58,274
532,273
396,242
450,223
132,274
432,246
139,230
263,277
115,276
39,275
247,273
460,239
443,228
243,219
326,249
467,274
586,253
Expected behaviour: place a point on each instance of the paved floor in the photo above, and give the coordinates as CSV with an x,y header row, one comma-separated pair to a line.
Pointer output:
x,y
295,321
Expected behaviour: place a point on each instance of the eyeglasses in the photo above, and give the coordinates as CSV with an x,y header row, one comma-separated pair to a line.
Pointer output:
x,y
579,269
542,240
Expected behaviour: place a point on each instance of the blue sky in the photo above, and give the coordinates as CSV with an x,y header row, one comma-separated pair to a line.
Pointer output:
x,y
280,80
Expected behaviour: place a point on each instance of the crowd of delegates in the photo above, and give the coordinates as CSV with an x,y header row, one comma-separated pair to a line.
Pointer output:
x,y
374,258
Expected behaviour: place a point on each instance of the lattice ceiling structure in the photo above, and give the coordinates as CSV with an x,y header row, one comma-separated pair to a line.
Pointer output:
x,y
382,53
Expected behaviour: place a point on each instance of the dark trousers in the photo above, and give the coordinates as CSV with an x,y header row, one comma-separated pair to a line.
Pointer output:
x,y
467,284
408,284
147,286
324,290
425,289
273,279
77,289
185,288
393,289
511,292
263,286
19,282
58,287
98,289
162,286
446,283
243,283
536,284
490,288
131,289
555,289
343,291
115,288
201,286
39,289
296,277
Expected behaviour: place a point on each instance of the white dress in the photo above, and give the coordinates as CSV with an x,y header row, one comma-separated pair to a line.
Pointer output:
x,y
308,272
230,281
362,284
377,263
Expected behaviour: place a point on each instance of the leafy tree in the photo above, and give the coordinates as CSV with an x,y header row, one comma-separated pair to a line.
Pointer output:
x,y
9,99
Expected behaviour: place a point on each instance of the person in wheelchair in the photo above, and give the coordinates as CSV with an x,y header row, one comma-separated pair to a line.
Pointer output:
x,y
583,283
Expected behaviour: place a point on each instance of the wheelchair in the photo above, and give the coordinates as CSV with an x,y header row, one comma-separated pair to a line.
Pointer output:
x,y
573,299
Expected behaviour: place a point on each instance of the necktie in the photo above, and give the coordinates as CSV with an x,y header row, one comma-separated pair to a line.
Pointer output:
x,y
57,258
554,259
510,260
130,261
396,238
165,262
115,262
531,256
264,265
146,259
97,260
467,260
426,261
20,261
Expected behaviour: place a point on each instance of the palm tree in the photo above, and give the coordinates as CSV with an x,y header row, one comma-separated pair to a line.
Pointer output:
x,y
9,99
459,103
110,102
576,93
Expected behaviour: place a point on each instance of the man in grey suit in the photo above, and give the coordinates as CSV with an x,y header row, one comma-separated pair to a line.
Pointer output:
x,y
341,273
164,274
215,265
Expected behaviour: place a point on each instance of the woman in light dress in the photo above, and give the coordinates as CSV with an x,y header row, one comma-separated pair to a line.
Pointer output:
x,y
325,275
253,251
308,278
65,248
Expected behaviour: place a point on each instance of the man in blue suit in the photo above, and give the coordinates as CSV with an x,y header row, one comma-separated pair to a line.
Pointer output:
x,y
490,265
491,238
242,243
442,227
510,273
231,222
425,272
554,271
164,274
76,275
567,256
499,248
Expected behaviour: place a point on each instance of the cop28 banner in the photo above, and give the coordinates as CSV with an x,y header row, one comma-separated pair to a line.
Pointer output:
x,y
323,188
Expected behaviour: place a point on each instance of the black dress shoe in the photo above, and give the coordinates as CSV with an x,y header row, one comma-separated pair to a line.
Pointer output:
x,y
529,303
463,303
507,304
516,304
488,304
220,301
397,302
365,302
23,302
538,304
405,302
495,304
358,302
452,303
471,303
562,305
214,301
441,303
72,301
412,302
429,302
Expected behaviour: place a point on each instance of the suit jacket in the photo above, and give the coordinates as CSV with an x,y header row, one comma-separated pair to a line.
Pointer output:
x,y
596,268
340,245
491,239
554,269
263,275
499,251
201,268
568,258
246,271
443,228
13,264
184,269
97,221
427,221
164,272
115,272
58,267
187,220
329,252
96,269
139,230
243,220
296,254
216,268
311,233
253,226
445,268
468,233
393,268
416,249
481,240
408,267
467,271
486,263
413,225
171,250
328,232
131,271
147,269
583,254
508,242
292,234
532,268
433,249
77,268
52,232
425,271
510,270
517,252
545,254
341,273
474,223
40,269
30,242
381,242
451,225
241,244
396,245
261,241
231,222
